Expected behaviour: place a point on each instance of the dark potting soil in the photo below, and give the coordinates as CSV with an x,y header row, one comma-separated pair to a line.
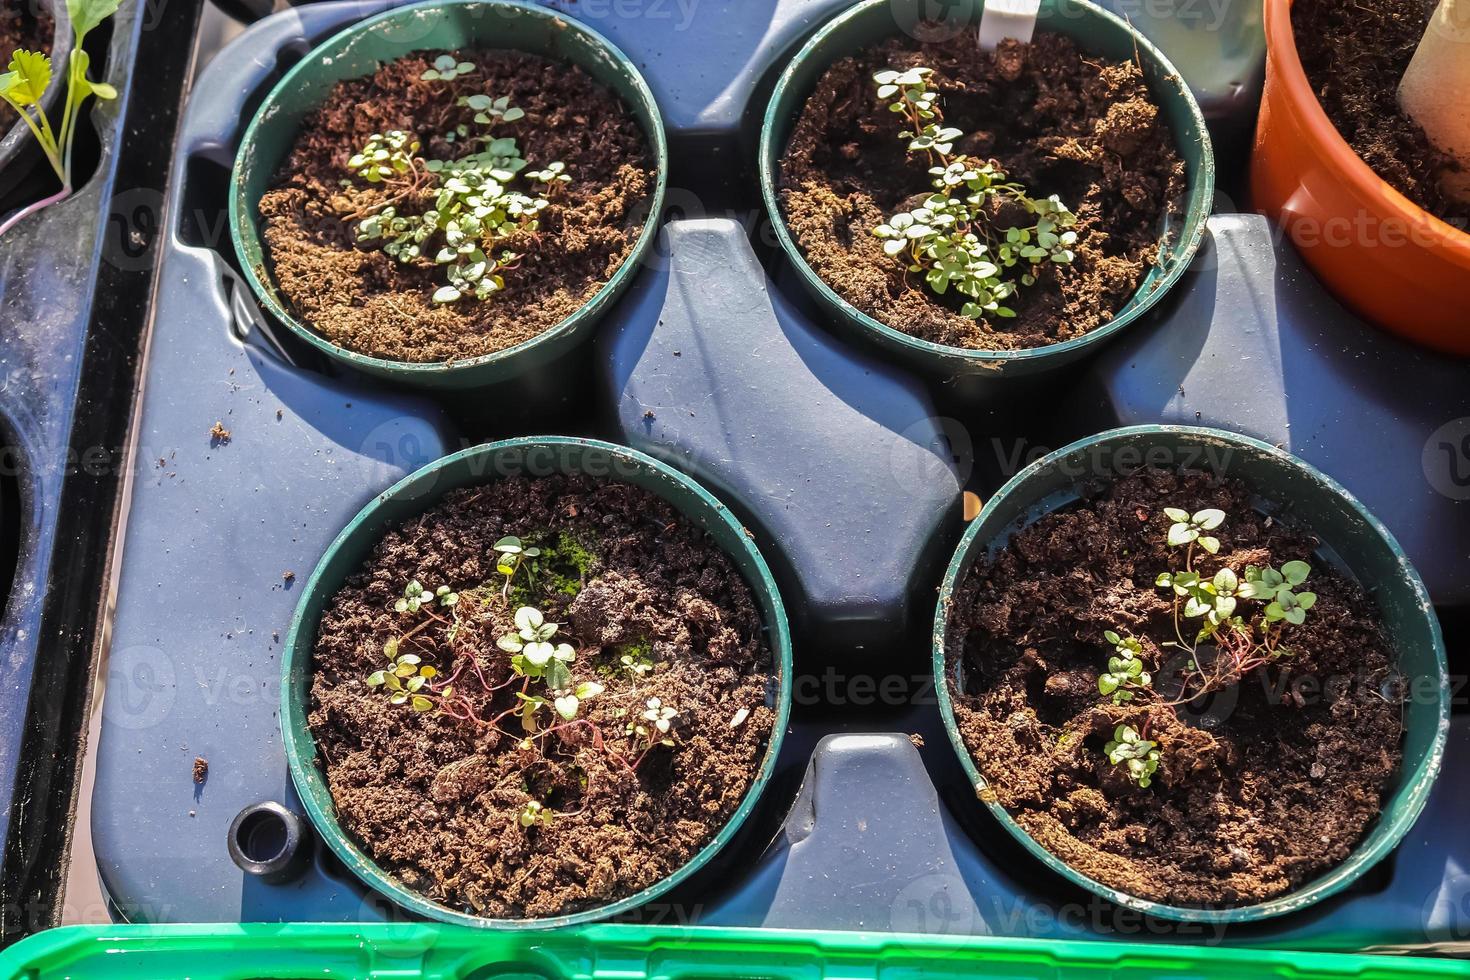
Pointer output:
x,y
23,24
435,800
1275,782
1056,121
362,299
1354,56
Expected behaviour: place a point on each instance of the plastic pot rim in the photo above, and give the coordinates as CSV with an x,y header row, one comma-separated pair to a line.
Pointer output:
x,y
1409,800
768,165
301,751
1291,77
448,373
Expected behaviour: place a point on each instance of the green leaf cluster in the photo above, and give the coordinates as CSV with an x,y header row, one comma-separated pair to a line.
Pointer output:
x,y
1275,588
474,204
405,678
446,69
1189,528
950,240
1138,755
654,724
29,74
1125,670
415,596
533,814
385,156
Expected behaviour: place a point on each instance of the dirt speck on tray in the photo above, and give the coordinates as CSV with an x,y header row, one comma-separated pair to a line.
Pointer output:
x,y
201,769
657,615
1053,119
1258,791
218,434
1354,56
361,299
23,24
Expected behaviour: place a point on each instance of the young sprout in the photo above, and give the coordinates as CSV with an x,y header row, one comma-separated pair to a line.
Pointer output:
x,y
1275,587
471,203
653,725
533,814
385,156
661,715
635,665
405,677
415,597
950,240
513,553
1189,528
446,69
1140,756
489,109
568,703
553,177
1241,643
534,655
1125,671
24,84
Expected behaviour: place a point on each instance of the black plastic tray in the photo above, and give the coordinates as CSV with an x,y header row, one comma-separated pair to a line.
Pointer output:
x,y
847,470
74,289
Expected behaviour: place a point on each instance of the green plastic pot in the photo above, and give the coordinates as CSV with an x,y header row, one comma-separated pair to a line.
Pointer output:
x,y
411,496
1097,32
1353,542
358,51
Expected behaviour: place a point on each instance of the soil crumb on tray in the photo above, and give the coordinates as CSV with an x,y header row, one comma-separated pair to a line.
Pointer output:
x,y
23,24
1054,120
467,813
1354,56
360,298
1269,784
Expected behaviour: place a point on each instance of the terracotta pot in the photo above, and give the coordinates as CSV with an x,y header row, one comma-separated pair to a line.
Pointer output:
x,y
1381,254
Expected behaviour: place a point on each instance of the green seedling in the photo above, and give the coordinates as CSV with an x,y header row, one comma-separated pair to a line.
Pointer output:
x,y
1243,642
471,203
26,81
1189,528
533,654
415,597
533,814
653,727
512,554
446,69
1139,756
405,680
951,240
1125,671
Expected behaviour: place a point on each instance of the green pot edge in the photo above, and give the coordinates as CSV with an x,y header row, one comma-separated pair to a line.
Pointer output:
x,y
300,746
996,363
1402,808
488,368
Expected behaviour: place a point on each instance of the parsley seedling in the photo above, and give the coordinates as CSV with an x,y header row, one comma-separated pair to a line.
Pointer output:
x,y
26,81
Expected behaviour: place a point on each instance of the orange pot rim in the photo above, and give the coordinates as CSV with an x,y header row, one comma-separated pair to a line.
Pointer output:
x,y
1281,48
